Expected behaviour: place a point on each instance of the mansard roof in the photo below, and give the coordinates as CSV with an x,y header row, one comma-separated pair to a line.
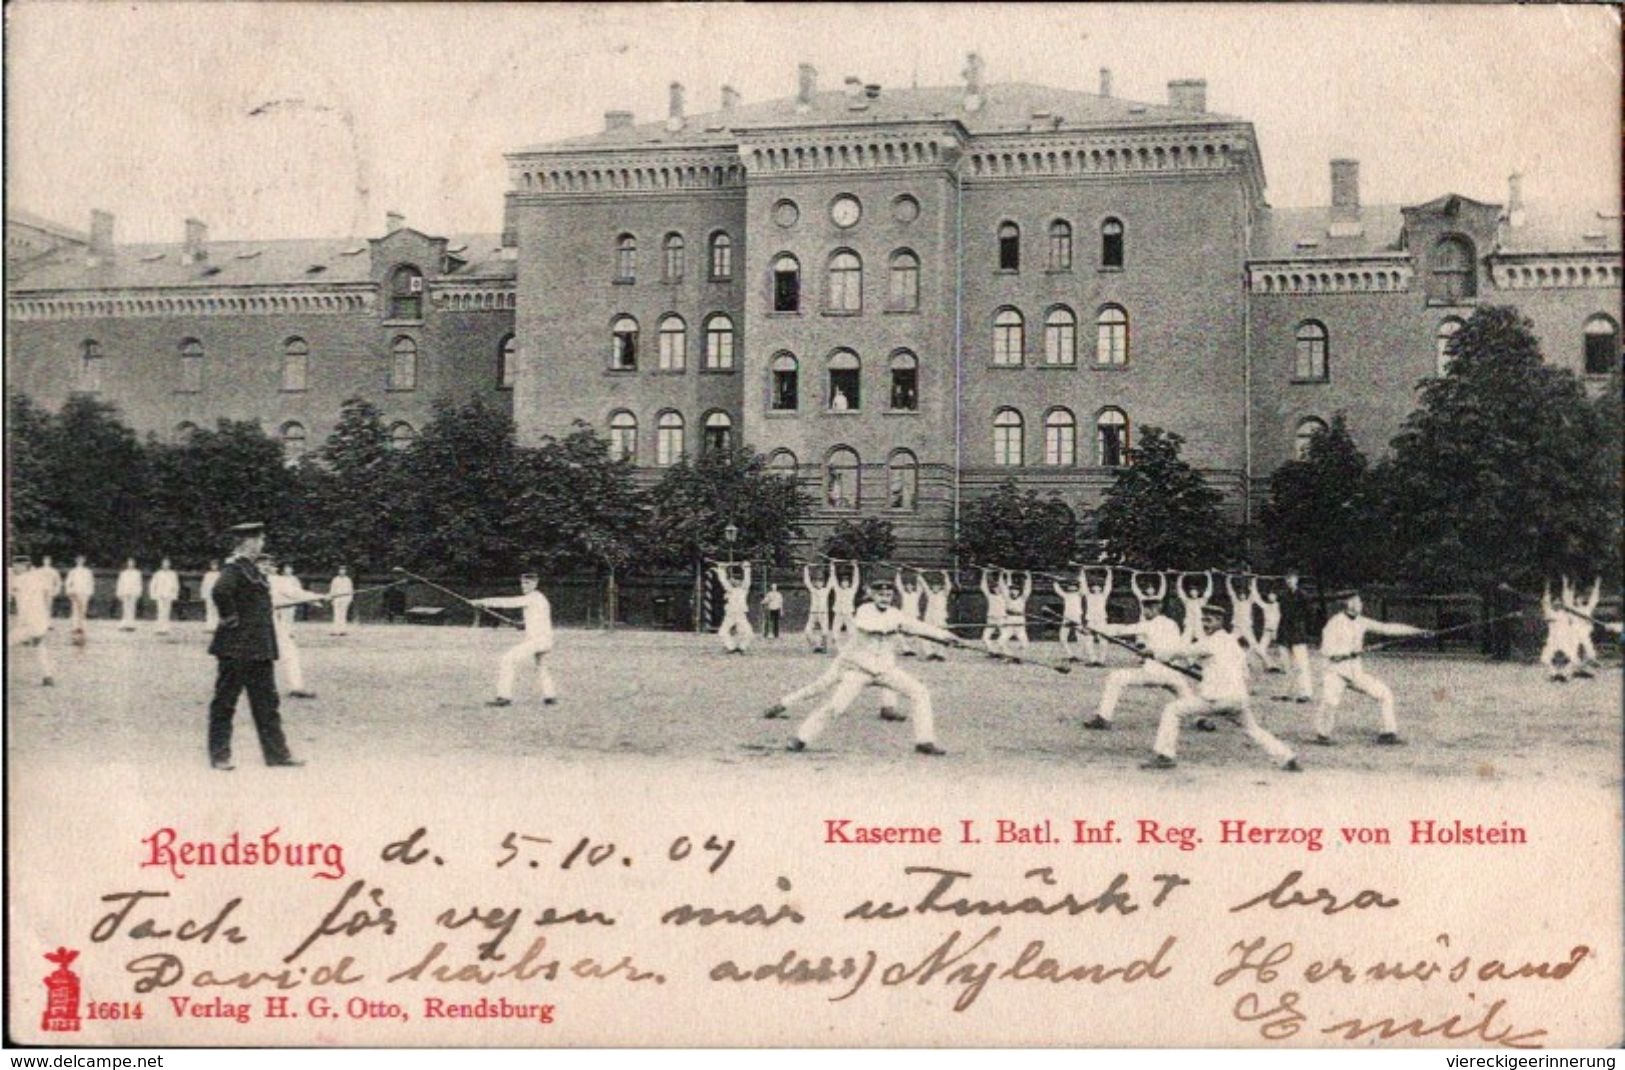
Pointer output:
x,y
1007,107
1305,233
303,261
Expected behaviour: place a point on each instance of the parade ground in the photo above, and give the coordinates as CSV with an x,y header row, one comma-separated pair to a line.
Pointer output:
x,y
415,696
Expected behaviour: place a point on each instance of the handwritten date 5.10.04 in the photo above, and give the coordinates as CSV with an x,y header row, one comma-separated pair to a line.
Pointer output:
x,y
1154,833
565,852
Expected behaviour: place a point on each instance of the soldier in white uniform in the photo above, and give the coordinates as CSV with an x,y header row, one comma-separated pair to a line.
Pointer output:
x,y
341,589
1557,627
736,631
1193,603
993,630
1071,631
537,644
1163,643
211,615
870,660
1147,593
1585,650
81,586
1269,604
53,584
165,588
30,590
1095,601
1223,690
936,609
128,592
287,595
818,595
1341,644
910,598
846,599
1015,611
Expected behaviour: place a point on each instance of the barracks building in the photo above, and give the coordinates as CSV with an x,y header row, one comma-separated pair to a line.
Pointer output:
x,y
904,297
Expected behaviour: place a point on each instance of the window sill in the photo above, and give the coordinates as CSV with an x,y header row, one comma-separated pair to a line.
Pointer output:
x,y
781,414
620,371
1007,271
400,389
403,323
993,367
915,311
784,313
1310,382
1111,367
1049,367
664,371
1440,302
623,282
841,312
1109,269
900,412
843,412
295,390
718,371
720,279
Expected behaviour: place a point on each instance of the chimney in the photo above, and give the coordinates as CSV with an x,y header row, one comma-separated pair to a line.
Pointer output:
x,y
617,120
1188,94
806,86
854,87
973,82
674,113
1105,81
197,238
730,98
1345,219
1515,211
393,221
101,237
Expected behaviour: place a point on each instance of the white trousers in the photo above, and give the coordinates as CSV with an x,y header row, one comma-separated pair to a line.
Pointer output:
x,y
166,606
1149,674
509,668
817,630
736,631
341,616
852,681
843,626
78,610
828,679
1306,677
127,612
288,659
33,633
1014,630
1341,675
1167,743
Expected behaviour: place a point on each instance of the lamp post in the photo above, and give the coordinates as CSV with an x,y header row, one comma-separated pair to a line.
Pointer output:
x,y
731,535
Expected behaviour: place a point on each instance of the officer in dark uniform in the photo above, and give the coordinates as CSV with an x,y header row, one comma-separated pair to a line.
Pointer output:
x,y
1296,632
245,646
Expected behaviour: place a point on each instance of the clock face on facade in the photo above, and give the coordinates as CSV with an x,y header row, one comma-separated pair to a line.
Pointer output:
x,y
785,213
845,211
905,209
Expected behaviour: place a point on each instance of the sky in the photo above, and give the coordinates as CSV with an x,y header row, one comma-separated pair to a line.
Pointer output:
x,y
279,120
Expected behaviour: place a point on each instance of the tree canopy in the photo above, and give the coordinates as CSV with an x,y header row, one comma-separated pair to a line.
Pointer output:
x,y
1161,513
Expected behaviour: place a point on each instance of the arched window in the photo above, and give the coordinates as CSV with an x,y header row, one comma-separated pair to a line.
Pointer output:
x,y
1455,270
1304,438
623,345
1442,356
845,382
1007,438
786,284
190,380
184,432
293,443
403,364
626,258
1311,364
1111,337
406,294
672,260
1009,247
673,344
668,438
845,282
90,366
783,464
507,363
1061,337
722,257
719,343
719,432
1060,438
904,294
1060,246
786,383
905,382
623,436
1601,345
401,436
841,490
1111,439
1111,243
295,365
902,480
1009,338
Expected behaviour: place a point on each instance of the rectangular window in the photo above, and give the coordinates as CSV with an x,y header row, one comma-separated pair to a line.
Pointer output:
x,y
722,261
1060,445
843,390
673,350
191,377
719,349
624,356
786,291
1010,252
905,288
905,389
403,371
784,391
293,373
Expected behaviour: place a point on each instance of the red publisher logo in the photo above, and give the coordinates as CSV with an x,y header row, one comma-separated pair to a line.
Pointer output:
x,y
61,994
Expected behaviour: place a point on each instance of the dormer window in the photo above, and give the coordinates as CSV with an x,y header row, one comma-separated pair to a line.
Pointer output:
x,y
1455,271
406,294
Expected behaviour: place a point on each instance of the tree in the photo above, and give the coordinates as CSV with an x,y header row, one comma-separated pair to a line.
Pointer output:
x,y
96,480
35,522
695,501
869,539
577,508
1018,529
200,487
354,493
1319,516
1505,472
1161,513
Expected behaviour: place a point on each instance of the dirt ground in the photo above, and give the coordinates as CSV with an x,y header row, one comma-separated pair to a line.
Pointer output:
x,y
414,696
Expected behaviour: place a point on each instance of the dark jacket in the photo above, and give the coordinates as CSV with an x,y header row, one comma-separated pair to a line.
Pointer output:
x,y
1297,619
244,600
